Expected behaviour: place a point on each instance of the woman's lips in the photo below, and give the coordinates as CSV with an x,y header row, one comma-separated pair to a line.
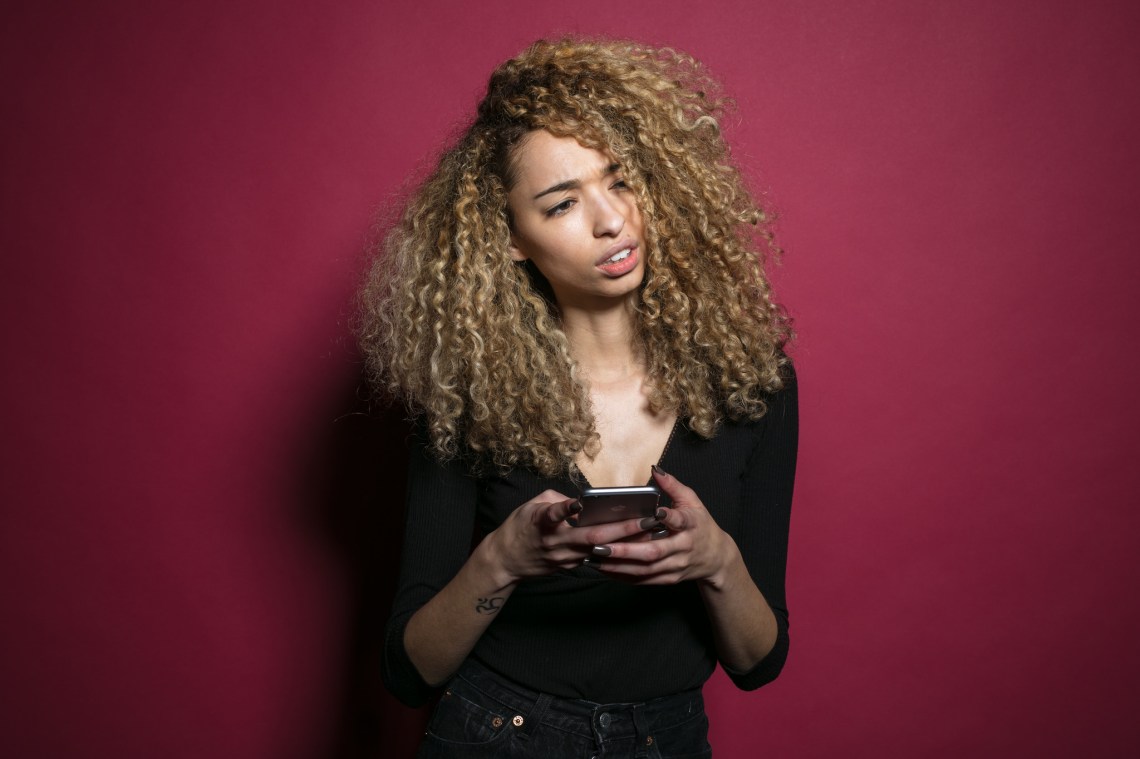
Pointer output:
x,y
621,266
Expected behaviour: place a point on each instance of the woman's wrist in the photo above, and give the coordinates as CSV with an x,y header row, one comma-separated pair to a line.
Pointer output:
x,y
728,562
487,559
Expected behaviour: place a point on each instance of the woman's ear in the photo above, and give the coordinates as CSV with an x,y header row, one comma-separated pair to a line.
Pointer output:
x,y
516,252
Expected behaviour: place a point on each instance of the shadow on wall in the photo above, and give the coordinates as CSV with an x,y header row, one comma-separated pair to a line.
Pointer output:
x,y
357,502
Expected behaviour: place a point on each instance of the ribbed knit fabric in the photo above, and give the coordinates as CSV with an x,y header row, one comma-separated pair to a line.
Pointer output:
x,y
579,633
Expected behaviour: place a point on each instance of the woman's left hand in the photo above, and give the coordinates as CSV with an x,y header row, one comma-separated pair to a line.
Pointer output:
x,y
695,549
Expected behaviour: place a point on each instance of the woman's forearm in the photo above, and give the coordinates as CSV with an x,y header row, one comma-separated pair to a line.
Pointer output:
x,y
445,629
533,540
744,627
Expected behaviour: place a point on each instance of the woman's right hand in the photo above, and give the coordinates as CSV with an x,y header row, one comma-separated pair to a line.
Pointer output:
x,y
536,539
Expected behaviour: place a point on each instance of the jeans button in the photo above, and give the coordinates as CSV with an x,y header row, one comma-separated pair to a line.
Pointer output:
x,y
604,720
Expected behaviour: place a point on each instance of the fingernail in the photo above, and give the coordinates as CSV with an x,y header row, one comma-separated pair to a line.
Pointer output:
x,y
659,514
649,523
601,550
658,534
572,521
659,470
575,507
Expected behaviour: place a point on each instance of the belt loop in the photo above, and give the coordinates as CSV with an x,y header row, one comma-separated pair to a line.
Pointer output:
x,y
536,715
642,738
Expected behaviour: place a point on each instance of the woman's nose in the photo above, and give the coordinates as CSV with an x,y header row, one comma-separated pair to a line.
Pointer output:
x,y
609,218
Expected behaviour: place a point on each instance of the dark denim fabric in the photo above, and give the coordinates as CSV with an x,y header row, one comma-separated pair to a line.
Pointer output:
x,y
484,715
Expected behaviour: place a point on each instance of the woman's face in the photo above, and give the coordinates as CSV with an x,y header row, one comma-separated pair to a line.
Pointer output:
x,y
576,220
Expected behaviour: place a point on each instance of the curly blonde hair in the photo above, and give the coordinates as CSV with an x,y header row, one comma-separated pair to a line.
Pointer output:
x,y
471,339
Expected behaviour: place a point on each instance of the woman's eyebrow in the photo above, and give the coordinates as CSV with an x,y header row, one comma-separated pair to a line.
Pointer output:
x,y
573,184
569,184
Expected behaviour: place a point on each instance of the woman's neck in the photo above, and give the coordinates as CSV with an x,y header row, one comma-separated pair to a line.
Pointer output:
x,y
602,341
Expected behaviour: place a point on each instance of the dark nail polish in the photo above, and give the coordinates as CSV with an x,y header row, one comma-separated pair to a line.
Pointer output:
x,y
659,514
649,523
659,470
572,521
576,507
601,550
658,534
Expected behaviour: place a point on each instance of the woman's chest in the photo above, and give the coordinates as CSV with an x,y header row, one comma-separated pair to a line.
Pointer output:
x,y
631,437
716,469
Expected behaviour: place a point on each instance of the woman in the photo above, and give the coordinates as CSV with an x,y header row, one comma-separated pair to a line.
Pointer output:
x,y
575,297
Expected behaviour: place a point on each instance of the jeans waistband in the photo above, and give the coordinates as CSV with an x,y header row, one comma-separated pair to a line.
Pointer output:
x,y
579,716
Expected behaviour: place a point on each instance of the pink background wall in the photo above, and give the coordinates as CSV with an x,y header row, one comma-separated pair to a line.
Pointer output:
x,y
197,543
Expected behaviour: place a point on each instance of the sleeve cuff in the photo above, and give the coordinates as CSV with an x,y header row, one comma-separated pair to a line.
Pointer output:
x,y
401,676
768,669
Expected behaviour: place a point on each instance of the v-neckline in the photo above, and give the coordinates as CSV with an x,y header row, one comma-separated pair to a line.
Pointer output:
x,y
661,458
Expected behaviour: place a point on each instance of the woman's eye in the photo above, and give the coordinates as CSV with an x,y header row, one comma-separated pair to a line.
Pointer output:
x,y
620,185
560,209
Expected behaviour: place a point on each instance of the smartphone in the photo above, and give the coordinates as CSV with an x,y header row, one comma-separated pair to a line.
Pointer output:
x,y
601,505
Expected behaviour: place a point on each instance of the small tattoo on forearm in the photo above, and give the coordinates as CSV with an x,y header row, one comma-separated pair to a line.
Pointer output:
x,y
489,605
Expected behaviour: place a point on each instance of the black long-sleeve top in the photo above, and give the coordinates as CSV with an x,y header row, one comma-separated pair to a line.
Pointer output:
x,y
578,633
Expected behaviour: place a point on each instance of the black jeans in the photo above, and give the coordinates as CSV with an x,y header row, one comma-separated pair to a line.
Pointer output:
x,y
484,715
